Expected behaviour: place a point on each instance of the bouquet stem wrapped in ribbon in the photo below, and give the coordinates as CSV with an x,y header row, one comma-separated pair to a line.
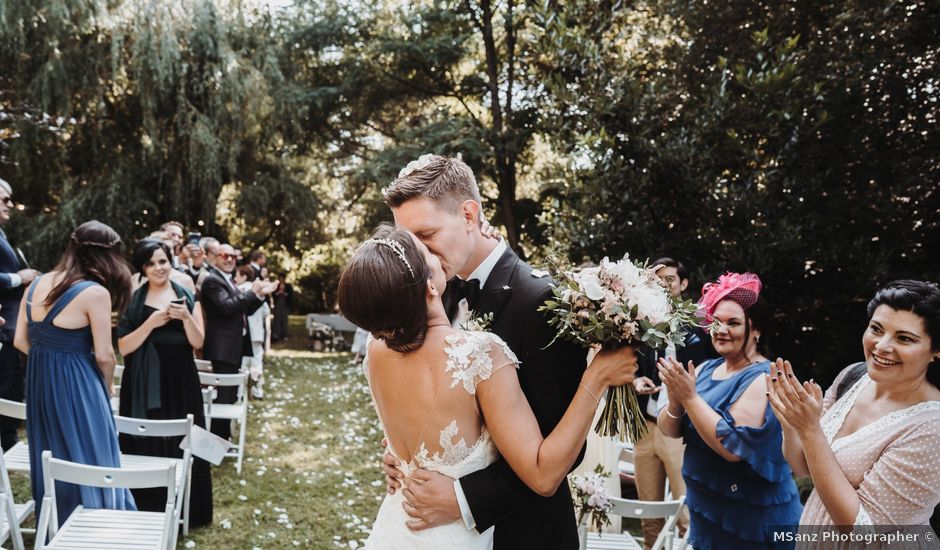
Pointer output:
x,y
615,304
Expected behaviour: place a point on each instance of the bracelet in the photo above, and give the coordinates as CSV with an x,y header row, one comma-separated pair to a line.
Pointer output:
x,y
674,417
596,400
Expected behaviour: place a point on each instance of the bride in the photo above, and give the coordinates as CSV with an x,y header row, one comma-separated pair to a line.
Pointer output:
x,y
444,398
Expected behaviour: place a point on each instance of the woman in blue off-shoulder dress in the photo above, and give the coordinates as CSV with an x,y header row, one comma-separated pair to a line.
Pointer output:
x,y
739,487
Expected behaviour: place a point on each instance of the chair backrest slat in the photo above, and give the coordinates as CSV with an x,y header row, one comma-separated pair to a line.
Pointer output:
x,y
221,380
203,366
101,476
645,509
13,409
153,428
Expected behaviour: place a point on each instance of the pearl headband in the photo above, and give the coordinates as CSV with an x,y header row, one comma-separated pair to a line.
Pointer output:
x,y
397,248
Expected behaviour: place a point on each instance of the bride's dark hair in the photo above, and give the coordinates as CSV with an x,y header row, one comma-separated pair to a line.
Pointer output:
x,y
93,253
383,288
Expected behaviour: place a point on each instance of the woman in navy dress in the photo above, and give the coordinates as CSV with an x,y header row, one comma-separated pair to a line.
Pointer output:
x,y
739,487
64,327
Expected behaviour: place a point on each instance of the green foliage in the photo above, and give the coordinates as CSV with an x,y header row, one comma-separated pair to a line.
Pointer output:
x,y
796,140
140,112
788,139
386,83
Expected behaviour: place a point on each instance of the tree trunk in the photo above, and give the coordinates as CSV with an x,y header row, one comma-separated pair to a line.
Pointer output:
x,y
504,155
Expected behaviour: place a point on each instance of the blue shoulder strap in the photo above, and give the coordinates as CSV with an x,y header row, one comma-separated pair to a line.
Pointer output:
x,y
747,378
66,297
29,299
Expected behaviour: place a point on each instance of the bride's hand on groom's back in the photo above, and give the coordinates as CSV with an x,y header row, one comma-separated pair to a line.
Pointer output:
x,y
489,231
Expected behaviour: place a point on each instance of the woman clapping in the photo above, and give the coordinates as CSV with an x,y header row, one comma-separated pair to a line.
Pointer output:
x,y
738,484
871,442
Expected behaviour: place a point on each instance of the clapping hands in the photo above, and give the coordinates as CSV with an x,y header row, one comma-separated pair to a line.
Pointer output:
x,y
263,287
797,406
679,380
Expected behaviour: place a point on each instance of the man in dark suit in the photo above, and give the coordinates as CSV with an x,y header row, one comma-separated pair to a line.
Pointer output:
x,y
14,278
257,260
438,200
657,456
226,309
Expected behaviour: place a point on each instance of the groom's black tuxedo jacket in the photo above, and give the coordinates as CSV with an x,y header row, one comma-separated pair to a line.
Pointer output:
x,y
549,378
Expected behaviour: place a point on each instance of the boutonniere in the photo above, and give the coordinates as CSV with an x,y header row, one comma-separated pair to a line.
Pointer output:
x,y
478,322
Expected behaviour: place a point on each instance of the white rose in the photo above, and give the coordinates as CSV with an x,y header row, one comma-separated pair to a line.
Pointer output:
x,y
592,289
652,303
629,273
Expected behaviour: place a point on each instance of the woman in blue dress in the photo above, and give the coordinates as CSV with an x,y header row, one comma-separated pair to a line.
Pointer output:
x,y
64,327
739,487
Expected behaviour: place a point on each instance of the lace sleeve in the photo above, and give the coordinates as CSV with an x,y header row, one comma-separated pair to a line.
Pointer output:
x,y
474,356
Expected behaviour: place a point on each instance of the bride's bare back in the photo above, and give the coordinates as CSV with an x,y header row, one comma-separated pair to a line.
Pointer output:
x,y
427,399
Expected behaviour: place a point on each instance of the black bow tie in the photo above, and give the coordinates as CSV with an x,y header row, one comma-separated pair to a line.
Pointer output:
x,y
466,289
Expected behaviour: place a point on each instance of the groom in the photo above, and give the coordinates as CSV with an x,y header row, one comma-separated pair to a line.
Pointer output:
x,y
438,200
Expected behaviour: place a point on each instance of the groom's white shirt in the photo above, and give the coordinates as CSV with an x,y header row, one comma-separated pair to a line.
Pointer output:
x,y
481,273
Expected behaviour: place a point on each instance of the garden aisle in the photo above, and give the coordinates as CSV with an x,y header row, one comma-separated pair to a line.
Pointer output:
x,y
312,476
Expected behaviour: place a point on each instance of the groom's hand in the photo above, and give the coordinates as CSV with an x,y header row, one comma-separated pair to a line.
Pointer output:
x,y
430,499
393,475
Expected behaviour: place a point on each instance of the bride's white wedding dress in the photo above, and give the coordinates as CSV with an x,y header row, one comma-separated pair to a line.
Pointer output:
x,y
472,357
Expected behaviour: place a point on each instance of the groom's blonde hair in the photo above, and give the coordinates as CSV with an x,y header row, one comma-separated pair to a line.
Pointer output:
x,y
445,180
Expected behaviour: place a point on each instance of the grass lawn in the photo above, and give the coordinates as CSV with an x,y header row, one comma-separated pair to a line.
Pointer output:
x,y
311,477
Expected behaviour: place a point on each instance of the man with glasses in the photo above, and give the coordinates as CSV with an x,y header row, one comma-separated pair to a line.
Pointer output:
x,y
14,278
226,309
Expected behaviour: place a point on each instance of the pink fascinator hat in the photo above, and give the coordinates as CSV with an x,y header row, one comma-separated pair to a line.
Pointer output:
x,y
742,288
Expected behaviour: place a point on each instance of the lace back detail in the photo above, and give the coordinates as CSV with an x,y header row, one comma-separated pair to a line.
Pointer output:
x,y
452,452
470,358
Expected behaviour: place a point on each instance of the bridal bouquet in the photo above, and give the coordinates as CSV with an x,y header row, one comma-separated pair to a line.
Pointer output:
x,y
614,304
591,498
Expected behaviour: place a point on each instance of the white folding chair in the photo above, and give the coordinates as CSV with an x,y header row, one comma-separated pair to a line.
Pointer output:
x,y
668,538
17,456
162,428
225,412
116,400
12,514
203,366
98,529
625,464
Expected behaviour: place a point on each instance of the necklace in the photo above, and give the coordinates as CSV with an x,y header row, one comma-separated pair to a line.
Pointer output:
x,y
439,325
